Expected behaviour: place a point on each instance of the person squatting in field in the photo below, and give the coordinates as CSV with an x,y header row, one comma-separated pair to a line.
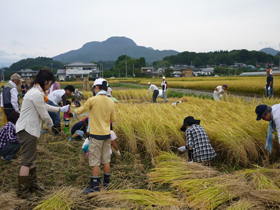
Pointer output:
x,y
102,112
55,98
272,115
219,91
33,113
198,144
9,143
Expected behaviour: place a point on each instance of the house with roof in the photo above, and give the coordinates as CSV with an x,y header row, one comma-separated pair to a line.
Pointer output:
x,y
61,73
27,73
207,71
79,69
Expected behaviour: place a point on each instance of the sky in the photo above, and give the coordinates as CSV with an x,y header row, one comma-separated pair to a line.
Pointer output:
x,y
33,28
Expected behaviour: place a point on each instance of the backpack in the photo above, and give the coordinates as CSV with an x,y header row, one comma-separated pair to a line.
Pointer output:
x,y
167,86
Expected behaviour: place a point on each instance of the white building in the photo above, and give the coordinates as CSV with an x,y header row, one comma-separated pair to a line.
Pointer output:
x,y
79,69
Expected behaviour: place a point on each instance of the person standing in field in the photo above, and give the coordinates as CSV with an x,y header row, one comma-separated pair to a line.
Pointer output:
x,y
219,91
55,86
102,113
33,113
269,84
198,144
23,88
10,96
164,89
155,89
272,115
109,91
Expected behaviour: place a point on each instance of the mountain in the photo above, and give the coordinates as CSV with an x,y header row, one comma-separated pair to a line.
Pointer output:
x,y
111,49
270,51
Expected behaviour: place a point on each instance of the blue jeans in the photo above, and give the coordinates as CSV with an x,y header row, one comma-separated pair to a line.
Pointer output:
x,y
54,115
268,93
10,150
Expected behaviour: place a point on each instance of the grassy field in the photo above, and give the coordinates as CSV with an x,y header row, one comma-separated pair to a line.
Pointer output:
x,y
151,173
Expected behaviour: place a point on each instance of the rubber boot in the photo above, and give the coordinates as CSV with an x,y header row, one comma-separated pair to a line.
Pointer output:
x,y
106,180
33,183
66,130
23,188
56,129
94,185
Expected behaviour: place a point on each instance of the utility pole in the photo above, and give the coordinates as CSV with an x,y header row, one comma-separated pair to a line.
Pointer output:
x,y
126,68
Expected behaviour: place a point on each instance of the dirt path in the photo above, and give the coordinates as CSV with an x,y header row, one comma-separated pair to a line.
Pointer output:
x,y
247,97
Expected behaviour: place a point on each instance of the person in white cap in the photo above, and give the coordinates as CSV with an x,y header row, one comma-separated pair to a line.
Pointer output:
x,y
102,113
10,96
155,89
164,89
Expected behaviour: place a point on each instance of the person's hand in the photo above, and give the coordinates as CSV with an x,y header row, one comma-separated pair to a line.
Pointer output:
x,y
50,125
64,108
75,115
268,88
147,94
118,153
182,149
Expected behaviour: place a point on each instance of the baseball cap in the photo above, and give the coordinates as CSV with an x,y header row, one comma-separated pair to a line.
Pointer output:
x,y
100,81
149,83
16,76
163,77
260,109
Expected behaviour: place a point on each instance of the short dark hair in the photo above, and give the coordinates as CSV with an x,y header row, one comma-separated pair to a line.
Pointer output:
x,y
68,102
42,76
70,88
73,99
13,117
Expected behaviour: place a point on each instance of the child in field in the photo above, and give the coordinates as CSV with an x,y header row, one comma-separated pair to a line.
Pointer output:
x,y
9,143
79,94
66,118
76,102
79,129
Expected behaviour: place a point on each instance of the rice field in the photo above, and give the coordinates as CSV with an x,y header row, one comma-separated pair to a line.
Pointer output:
x,y
152,173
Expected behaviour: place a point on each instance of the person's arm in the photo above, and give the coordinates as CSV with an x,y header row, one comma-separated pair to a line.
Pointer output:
x,y
277,123
189,144
83,108
40,105
52,108
113,143
150,89
64,99
113,114
14,99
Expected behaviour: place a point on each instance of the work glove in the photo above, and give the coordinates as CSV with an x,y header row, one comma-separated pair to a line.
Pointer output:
x,y
268,88
75,115
64,108
182,149
50,125
118,153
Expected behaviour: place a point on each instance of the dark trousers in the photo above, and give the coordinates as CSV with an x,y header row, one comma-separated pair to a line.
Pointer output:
x,y
10,150
155,94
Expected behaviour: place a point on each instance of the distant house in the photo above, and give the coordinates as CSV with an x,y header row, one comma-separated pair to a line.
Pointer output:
x,y
251,67
27,73
207,71
78,69
151,71
187,72
61,73
147,69
259,73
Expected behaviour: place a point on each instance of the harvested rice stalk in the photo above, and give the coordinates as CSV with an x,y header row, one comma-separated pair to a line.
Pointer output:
x,y
59,200
244,204
136,197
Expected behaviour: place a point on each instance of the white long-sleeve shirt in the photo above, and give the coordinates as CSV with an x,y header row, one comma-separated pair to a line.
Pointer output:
x,y
14,96
34,112
276,117
152,88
